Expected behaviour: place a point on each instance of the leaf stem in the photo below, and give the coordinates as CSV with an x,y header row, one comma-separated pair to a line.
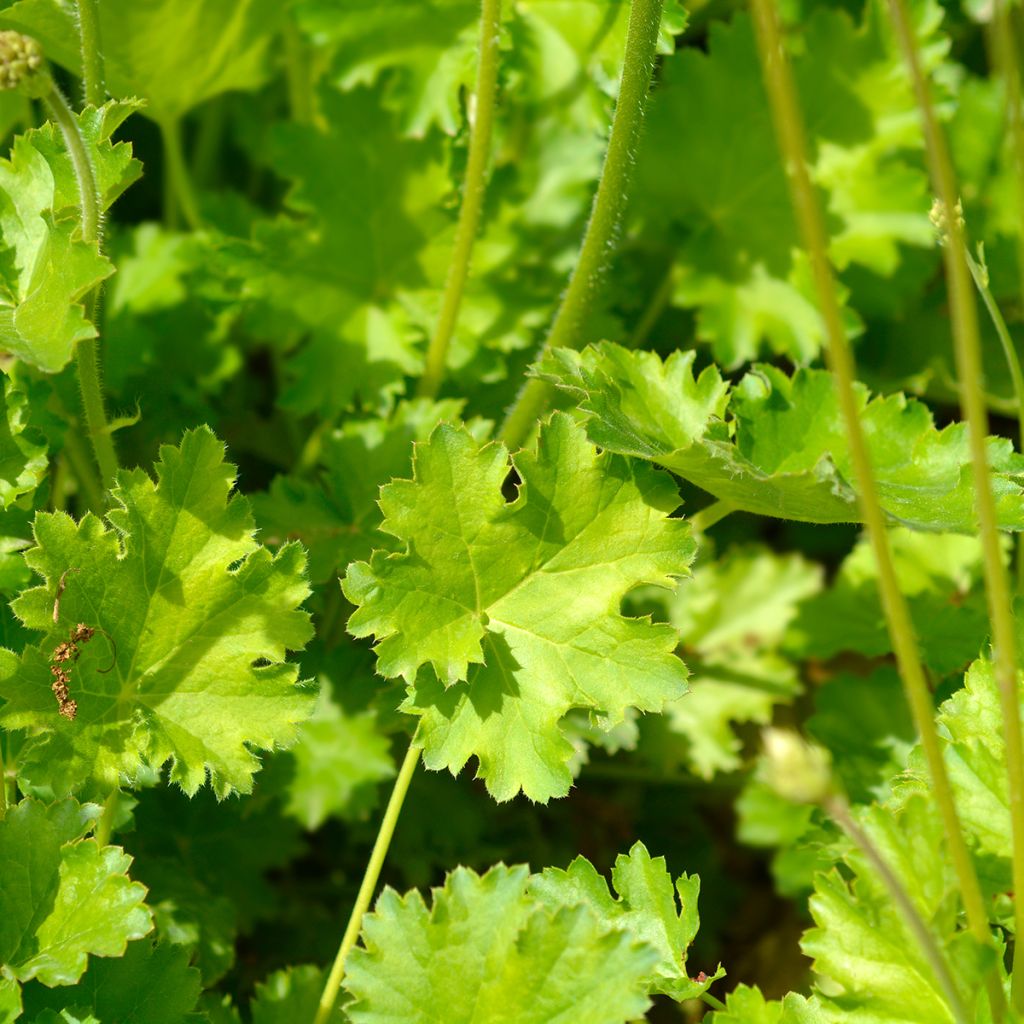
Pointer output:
x,y
92,52
298,75
980,276
713,513
609,204
473,191
105,826
788,122
840,813
368,885
87,359
177,180
967,347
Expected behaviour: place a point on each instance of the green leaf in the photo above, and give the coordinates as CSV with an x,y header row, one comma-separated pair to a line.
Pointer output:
x,y
784,451
502,616
63,898
337,517
940,576
23,458
45,267
148,985
746,1005
173,53
733,614
486,951
646,905
861,943
290,995
196,619
337,763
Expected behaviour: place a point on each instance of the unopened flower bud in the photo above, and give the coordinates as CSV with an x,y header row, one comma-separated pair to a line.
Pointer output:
x,y
795,769
939,217
22,64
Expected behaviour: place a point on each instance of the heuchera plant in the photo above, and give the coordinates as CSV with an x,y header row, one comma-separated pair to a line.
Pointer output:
x,y
470,470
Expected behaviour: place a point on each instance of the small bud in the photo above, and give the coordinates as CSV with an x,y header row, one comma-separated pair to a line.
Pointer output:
x,y
939,217
22,64
795,769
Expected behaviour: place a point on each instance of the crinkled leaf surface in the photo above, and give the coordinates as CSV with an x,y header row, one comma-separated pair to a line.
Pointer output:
x,y
502,616
646,904
485,950
862,944
62,897
337,517
197,620
776,444
46,266
172,53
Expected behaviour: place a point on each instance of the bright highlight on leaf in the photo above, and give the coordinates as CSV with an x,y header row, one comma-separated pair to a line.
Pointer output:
x,y
502,616
775,445
554,948
193,623
63,898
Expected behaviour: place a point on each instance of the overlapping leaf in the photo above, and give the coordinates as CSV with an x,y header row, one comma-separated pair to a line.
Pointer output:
x,y
776,445
193,621
45,266
23,459
148,985
63,898
503,616
172,53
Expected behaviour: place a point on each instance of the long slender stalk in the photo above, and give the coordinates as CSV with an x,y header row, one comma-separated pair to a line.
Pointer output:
x,y
967,346
609,205
3,779
87,351
1004,45
473,192
368,885
980,275
92,52
840,813
788,121
178,180
298,75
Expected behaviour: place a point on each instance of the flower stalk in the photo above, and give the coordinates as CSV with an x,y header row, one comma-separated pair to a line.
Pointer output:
x,y
967,347
473,192
788,122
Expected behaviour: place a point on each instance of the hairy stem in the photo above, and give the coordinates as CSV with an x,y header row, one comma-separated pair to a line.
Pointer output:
x,y
92,52
788,122
87,359
840,813
473,192
177,179
368,885
713,513
967,346
609,205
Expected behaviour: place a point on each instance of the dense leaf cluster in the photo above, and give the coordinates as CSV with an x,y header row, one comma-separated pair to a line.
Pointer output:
x,y
309,562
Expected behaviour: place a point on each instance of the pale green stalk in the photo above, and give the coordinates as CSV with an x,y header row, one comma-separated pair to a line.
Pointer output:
x,y
369,884
177,179
92,52
87,357
298,75
788,121
967,346
473,191
609,205
714,513
105,826
839,811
